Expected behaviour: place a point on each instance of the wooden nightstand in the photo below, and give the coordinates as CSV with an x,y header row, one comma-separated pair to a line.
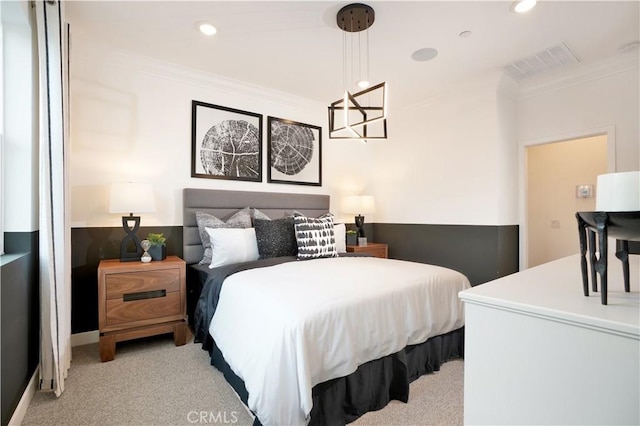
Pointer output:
x,y
138,299
374,249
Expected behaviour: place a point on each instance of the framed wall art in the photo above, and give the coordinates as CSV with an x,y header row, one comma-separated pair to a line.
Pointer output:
x,y
294,152
226,143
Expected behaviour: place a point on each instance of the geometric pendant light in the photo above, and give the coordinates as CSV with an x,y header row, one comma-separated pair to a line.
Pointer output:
x,y
358,115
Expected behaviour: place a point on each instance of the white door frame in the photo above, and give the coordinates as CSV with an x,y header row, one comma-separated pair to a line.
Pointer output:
x,y
610,131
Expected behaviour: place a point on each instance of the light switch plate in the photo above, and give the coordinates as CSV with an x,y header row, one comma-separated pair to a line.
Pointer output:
x,y
584,191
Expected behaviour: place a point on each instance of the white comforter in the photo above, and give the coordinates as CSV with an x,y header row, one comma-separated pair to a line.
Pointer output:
x,y
285,328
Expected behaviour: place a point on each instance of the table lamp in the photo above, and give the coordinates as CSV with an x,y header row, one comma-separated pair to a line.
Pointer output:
x,y
359,205
618,192
131,198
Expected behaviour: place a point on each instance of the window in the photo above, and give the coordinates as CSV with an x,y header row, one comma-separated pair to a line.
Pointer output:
x,y
18,120
2,167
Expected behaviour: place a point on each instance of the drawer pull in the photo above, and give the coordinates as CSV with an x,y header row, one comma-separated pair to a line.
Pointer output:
x,y
144,295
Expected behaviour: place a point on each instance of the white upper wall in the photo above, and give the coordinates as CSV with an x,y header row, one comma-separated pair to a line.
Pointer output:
x,y
450,161
507,182
609,98
457,159
131,121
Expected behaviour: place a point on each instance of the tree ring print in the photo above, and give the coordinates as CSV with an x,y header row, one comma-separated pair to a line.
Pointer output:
x,y
291,147
231,148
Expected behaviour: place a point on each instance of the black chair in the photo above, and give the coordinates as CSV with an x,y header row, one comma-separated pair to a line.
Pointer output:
x,y
624,227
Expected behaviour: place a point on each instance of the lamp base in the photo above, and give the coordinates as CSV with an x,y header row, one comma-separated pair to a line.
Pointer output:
x,y
360,224
130,224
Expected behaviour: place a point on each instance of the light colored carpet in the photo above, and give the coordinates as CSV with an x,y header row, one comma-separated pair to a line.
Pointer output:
x,y
152,382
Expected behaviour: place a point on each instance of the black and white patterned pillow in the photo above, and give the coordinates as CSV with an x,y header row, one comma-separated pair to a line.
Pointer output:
x,y
275,237
315,237
240,219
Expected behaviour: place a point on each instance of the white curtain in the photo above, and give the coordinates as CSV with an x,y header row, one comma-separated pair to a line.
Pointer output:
x,y
55,232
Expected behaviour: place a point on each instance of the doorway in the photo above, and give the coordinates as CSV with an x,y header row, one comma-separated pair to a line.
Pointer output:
x,y
561,180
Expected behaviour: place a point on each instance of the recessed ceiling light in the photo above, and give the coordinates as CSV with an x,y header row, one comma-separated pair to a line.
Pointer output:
x,y
523,6
363,84
207,29
465,34
423,55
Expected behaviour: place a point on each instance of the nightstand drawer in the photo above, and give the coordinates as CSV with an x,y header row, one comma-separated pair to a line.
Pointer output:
x,y
374,249
118,285
377,252
119,311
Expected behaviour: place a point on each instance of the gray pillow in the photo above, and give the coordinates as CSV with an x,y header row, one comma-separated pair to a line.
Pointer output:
x,y
240,219
315,238
276,237
257,214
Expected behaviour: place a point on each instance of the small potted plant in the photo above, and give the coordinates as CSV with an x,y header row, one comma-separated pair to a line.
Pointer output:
x,y
158,249
352,237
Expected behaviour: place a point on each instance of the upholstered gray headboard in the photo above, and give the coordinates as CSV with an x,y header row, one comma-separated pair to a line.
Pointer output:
x,y
223,204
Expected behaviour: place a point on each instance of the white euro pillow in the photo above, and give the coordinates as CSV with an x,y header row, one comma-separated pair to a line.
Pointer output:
x,y
232,245
340,232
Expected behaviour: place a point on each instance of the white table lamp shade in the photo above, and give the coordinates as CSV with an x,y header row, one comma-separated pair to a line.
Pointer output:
x,y
360,204
618,192
131,198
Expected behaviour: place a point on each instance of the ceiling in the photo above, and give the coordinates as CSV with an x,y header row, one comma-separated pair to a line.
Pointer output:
x,y
296,46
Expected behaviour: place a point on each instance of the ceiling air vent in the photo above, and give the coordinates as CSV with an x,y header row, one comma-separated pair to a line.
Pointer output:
x,y
549,59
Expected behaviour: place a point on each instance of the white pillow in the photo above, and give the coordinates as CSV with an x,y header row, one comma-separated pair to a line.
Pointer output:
x,y
340,232
232,245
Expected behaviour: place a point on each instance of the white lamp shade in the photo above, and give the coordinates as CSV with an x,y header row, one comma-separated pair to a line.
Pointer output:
x,y
359,204
131,198
618,192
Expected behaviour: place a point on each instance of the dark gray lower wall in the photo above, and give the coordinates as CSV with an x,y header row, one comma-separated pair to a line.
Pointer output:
x,y
88,247
482,253
20,318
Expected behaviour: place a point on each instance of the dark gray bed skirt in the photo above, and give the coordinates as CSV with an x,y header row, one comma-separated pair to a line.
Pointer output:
x,y
372,385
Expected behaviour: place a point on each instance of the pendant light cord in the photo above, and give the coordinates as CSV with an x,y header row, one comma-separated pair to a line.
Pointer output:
x,y
344,58
359,57
368,56
352,55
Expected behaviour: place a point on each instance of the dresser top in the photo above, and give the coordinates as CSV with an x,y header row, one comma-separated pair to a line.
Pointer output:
x,y
554,291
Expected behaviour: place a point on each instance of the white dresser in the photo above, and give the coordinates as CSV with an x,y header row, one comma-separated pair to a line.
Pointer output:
x,y
537,351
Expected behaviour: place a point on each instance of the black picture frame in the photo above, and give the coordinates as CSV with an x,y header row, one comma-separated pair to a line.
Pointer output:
x,y
294,152
215,128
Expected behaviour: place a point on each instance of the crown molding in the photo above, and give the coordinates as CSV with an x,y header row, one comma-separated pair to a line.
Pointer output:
x,y
598,70
171,71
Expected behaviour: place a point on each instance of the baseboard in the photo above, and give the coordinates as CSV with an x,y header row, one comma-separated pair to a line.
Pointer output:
x,y
77,339
86,338
25,400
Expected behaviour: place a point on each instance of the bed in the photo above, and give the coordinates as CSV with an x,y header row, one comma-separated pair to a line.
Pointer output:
x,y
318,341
